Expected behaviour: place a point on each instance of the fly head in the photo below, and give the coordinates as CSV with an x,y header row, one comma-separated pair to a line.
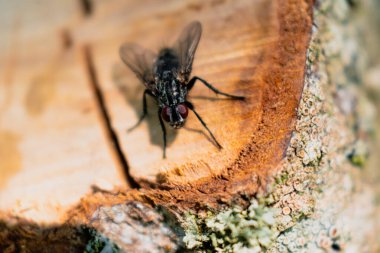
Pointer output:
x,y
175,115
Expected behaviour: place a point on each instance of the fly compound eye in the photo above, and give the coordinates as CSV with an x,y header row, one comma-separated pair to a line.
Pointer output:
x,y
182,109
165,113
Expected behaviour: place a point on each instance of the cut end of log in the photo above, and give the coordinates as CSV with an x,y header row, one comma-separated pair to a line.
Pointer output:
x,y
267,66
255,49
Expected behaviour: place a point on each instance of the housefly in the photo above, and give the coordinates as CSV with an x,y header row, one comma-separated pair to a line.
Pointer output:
x,y
166,77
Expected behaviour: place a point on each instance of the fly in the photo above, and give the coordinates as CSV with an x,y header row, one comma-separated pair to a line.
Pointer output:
x,y
166,77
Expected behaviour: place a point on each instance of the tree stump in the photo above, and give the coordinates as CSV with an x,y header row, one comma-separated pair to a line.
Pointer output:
x,y
73,178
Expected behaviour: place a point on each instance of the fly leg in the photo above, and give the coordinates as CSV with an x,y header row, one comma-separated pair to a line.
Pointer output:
x,y
163,131
145,110
192,81
191,107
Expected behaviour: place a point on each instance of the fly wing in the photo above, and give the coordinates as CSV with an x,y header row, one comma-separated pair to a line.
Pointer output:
x,y
185,47
141,61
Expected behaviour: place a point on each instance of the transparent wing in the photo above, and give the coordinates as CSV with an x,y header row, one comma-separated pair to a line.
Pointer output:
x,y
186,45
141,61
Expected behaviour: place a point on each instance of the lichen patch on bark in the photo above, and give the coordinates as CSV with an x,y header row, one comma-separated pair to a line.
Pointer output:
x,y
320,187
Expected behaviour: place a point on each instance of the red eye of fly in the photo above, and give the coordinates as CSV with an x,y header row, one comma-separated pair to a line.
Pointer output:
x,y
182,109
165,113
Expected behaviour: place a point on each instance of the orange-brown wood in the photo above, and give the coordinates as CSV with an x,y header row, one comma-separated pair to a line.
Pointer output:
x,y
67,100
62,125
251,48
228,56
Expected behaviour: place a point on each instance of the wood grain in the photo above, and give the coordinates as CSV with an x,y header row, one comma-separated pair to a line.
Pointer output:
x,y
229,56
67,100
251,48
52,143
59,137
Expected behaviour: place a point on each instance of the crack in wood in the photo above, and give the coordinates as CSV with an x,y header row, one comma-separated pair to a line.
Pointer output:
x,y
111,134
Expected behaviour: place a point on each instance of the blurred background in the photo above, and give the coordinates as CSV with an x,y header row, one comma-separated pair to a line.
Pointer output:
x,y
368,17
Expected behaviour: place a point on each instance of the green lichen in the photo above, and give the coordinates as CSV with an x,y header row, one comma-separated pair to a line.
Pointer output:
x,y
359,154
358,160
99,243
232,230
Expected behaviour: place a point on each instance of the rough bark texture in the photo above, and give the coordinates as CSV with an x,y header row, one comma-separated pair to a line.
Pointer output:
x,y
322,179
294,179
